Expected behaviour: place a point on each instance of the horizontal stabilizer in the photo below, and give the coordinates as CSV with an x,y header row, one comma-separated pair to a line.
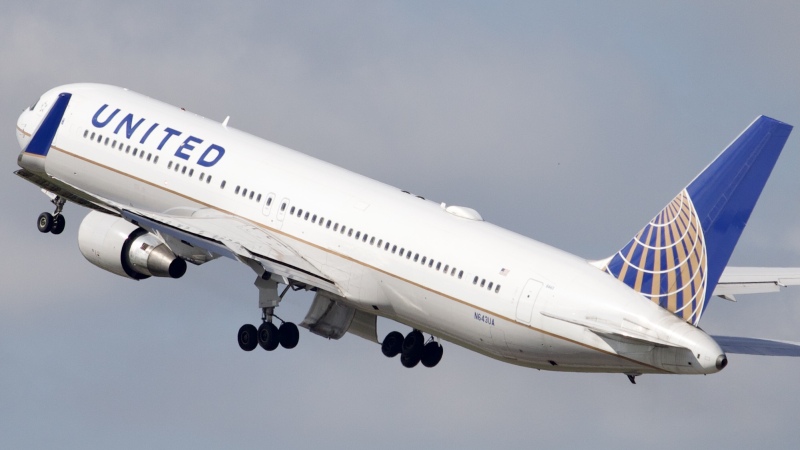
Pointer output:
x,y
753,346
755,280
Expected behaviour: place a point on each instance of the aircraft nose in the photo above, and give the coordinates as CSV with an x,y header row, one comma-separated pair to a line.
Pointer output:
x,y
22,122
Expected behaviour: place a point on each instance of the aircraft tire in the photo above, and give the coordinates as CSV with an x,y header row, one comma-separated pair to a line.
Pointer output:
x,y
392,344
58,224
268,336
45,222
413,345
247,337
432,354
409,361
288,335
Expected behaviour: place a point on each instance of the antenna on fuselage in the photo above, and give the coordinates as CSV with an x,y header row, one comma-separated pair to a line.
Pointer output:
x,y
225,122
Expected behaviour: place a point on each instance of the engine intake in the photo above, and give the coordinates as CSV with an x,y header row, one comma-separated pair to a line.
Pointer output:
x,y
115,245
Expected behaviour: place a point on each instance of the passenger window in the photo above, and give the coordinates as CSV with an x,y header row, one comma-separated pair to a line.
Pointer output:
x,y
483,282
222,186
358,234
372,241
416,257
291,211
306,216
497,289
460,273
475,280
328,224
439,266
401,251
314,218
490,286
423,260
394,248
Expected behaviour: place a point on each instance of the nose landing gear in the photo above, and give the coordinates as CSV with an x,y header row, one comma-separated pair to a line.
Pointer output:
x,y
52,223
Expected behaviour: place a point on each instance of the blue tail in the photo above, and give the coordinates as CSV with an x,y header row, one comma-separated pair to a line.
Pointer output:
x,y
677,258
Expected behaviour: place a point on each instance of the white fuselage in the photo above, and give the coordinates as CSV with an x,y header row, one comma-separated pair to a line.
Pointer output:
x,y
487,289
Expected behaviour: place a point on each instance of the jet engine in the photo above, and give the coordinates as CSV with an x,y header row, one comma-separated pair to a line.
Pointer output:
x,y
113,244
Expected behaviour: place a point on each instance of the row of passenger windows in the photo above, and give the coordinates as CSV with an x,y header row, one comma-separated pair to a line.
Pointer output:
x,y
120,145
298,212
142,154
389,247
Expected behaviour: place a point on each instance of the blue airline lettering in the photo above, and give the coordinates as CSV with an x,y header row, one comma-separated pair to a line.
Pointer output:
x,y
187,145
205,161
129,126
210,156
96,119
147,133
169,133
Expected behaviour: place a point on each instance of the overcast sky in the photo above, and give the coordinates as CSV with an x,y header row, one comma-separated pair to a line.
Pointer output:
x,y
567,122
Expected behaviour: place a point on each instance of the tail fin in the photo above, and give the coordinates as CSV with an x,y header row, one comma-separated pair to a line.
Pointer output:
x,y
677,258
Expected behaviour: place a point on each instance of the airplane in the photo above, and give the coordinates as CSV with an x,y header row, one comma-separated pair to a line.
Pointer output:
x,y
167,187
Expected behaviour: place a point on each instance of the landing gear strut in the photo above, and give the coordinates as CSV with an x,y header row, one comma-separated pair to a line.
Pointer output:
x,y
52,223
412,349
267,335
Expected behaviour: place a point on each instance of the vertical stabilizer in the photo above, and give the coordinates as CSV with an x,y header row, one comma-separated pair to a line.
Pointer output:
x,y
677,258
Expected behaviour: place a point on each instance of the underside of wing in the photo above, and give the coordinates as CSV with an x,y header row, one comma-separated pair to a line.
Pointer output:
x,y
224,235
753,346
755,280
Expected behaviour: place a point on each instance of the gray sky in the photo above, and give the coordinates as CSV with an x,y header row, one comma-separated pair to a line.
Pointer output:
x,y
567,122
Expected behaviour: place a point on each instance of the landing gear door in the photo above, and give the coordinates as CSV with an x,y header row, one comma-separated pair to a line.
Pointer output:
x,y
527,301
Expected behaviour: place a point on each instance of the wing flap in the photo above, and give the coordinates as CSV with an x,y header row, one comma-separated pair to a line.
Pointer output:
x,y
233,238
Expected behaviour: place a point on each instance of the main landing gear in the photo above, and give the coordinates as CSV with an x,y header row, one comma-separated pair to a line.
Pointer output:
x,y
52,223
268,335
412,349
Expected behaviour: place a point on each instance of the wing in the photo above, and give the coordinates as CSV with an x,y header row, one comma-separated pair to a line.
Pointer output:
x,y
218,234
755,280
753,346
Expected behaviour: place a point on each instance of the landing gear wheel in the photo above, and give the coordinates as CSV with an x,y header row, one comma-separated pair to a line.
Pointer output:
x,y
247,337
45,222
58,224
432,354
392,344
409,361
412,349
268,336
288,335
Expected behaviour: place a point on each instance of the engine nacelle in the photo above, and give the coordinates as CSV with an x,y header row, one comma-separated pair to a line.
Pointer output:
x,y
113,244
